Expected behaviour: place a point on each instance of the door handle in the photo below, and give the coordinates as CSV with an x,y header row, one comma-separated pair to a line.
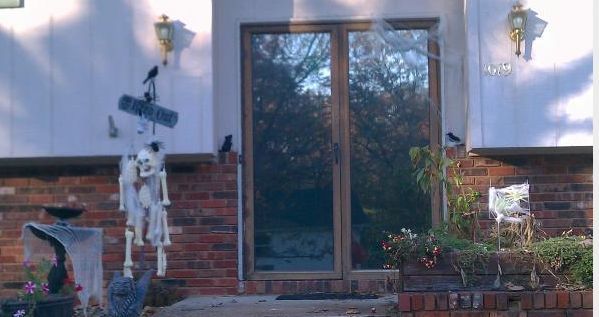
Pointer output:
x,y
336,152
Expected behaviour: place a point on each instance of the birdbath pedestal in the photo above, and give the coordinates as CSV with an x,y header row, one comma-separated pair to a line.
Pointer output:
x,y
58,272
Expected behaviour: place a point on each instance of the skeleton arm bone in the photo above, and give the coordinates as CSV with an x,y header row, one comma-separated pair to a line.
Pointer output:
x,y
128,262
165,200
139,222
160,260
121,194
166,235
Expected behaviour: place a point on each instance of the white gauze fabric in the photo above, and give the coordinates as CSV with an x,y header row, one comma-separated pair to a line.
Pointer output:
x,y
154,232
83,247
135,213
510,203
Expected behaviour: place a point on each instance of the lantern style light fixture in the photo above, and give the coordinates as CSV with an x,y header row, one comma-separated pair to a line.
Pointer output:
x,y
517,19
164,33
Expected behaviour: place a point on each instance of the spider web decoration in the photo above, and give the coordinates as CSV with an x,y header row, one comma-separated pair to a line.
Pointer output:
x,y
509,204
412,44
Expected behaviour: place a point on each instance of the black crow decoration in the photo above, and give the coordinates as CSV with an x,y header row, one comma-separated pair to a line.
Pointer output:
x,y
226,147
452,137
151,74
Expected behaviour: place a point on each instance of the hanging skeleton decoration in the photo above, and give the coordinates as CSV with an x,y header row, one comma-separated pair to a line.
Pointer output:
x,y
140,182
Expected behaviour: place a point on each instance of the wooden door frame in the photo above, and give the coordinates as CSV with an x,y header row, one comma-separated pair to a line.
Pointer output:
x,y
247,30
340,119
434,133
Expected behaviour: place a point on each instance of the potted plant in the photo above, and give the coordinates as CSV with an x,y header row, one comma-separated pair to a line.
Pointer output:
x,y
36,300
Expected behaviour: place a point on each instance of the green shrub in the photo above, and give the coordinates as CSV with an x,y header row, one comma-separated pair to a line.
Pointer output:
x,y
558,254
433,168
467,258
567,255
582,270
451,242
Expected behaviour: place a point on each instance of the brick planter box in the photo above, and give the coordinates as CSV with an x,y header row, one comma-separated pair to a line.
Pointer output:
x,y
440,292
491,304
444,277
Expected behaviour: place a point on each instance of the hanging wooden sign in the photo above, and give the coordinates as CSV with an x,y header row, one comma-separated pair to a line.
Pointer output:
x,y
148,110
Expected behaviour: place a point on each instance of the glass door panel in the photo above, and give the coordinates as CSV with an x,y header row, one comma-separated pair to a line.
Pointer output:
x,y
292,124
388,114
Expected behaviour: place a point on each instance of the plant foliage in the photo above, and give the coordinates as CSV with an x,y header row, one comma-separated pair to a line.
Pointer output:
x,y
582,271
559,254
433,169
568,256
37,289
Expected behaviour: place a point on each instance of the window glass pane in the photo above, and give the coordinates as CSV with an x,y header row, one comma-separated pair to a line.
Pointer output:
x,y
293,197
389,113
11,3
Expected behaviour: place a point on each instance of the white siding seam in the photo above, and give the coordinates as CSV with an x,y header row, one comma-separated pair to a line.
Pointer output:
x,y
11,92
479,80
51,82
92,113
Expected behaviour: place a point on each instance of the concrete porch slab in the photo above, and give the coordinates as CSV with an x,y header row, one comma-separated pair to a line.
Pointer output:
x,y
269,306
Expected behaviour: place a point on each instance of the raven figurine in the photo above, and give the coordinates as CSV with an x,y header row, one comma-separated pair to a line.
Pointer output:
x,y
453,138
151,74
226,147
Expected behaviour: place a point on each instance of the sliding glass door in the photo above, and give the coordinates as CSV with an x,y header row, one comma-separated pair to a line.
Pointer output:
x,y
330,112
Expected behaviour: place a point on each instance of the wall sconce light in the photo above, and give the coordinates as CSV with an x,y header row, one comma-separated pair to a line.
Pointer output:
x,y
517,18
164,33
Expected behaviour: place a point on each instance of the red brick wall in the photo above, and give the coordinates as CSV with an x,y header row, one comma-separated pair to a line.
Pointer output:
x,y
495,304
561,186
202,219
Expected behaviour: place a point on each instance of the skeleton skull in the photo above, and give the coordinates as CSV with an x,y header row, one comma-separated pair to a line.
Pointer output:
x,y
147,162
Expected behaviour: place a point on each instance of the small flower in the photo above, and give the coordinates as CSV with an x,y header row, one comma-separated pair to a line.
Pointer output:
x,y
45,288
19,313
54,261
78,287
26,264
436,250
29,287
386,246
429,264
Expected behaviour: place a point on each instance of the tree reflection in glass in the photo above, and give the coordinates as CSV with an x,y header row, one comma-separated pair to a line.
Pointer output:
x,y
389,113
293,203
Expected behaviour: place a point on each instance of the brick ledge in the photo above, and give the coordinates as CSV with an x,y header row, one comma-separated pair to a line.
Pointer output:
x,y
483,303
